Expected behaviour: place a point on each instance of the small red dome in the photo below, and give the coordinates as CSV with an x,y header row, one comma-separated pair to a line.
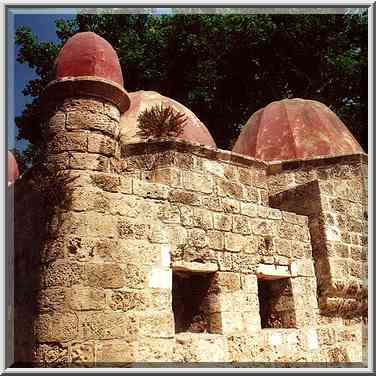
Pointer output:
x,y
295,129
87,54
194,129
13,172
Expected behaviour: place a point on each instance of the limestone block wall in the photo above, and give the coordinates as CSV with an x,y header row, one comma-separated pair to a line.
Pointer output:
x,y
127,243
332,192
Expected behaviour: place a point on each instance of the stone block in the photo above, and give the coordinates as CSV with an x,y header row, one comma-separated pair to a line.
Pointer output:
x,y
230,205
56,327
63,273
51,299
168,176
227,323
246,176
135,276
101,144
104,275
234,242
202,218
169,213
222,222
157,324
111,111
83,352
226,188
101,225
213,167
212,203
83,199
106,326
116,353
248,209
252,194
282,247
197,238
83,104
78,120
263,227
155,350
126,185
106,182
241,224
82,298
183,197
150,190
124,205
160,278
85,161
186,215
51,355
215,239
129,228
56,123
197,182
68,142
225,282
249,283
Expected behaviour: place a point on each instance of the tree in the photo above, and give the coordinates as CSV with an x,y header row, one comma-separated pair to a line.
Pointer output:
x,y
222,67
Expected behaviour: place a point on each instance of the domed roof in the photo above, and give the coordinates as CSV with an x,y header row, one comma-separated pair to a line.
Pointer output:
x,y
88,54
295,129
194,130
13,172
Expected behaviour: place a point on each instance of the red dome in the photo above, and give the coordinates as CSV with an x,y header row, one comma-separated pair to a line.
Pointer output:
x,y
87,54
13,172
194,129
295,129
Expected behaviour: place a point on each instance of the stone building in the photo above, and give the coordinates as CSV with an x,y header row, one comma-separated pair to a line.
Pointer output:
x,y
172,250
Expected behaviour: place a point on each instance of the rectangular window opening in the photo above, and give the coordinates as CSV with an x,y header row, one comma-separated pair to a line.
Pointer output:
x,y
276,303
190,301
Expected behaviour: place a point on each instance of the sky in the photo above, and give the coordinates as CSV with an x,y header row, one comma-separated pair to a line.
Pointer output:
x,y
43,26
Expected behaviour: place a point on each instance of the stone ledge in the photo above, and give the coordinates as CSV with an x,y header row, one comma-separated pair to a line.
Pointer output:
x,y
276,167
177,144
86,86
270,272
194,267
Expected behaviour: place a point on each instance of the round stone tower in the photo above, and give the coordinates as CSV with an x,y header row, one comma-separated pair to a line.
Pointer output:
x,y
81,134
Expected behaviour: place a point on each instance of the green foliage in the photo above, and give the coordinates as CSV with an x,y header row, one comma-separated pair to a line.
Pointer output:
x,y
160,121
223,67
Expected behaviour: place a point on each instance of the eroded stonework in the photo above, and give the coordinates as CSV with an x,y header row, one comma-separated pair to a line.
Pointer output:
x,y
168,251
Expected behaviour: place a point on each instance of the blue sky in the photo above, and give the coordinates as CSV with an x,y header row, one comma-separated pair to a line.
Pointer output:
x,y
42,23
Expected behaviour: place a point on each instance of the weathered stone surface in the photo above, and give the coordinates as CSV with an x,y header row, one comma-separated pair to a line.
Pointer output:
x,y
104,275
83,352
116,353
105,326
197,182
229,189
63,274
150,190
103,282
56,327
86,298
222,222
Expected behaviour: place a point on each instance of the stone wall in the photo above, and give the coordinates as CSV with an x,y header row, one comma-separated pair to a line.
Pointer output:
x,y
138,228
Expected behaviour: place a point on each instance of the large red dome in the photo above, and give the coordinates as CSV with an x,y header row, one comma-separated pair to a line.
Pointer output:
x,y
194,129
295,129
13,172
87,54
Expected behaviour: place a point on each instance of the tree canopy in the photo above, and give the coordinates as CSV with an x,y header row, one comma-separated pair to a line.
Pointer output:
x,y
222,67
